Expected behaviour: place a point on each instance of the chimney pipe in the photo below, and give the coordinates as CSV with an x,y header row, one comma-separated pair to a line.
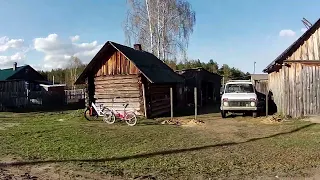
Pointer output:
x,y
137,47
15,66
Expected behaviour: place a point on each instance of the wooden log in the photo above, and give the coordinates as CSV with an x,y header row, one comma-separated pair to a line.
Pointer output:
x,y
294,91
315,45
310,49
122,88
301,87
110,96
116,91
308,90
290,90
283,80
318,88
118,82
311,89
304,51
116,77
314,90
304,88
106,86
119,100
135,105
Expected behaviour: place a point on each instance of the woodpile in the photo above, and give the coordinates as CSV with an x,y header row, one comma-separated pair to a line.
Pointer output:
x,y
273,119
183,122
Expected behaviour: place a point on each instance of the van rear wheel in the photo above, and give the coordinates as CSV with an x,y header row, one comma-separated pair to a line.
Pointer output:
x,y
224,114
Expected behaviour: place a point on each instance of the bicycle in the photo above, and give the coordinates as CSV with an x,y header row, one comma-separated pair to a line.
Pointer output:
x,y
93,111
128,116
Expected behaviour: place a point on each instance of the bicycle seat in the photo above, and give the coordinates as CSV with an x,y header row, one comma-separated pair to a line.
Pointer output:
x,y
125,105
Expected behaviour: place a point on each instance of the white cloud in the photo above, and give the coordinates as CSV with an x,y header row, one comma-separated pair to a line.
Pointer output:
x,y
287,33
6,43
304,30
7,61
58,52
75,38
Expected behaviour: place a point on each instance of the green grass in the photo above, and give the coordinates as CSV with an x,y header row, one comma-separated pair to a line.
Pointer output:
x,y
162,151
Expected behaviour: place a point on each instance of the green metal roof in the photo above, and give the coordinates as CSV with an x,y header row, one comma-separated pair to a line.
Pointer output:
x,y
5,74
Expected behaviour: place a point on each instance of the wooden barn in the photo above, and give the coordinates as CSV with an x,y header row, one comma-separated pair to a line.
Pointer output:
x,y
134,75
208,86
294,82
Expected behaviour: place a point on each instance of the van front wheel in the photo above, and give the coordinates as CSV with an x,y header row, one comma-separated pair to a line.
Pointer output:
x,y
254,114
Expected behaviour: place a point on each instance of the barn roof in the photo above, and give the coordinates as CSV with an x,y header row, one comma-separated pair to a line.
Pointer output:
x,y
291,49
259,77
149,65
5,74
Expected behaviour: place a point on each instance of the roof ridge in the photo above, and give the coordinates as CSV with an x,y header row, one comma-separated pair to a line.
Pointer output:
x,y
295,45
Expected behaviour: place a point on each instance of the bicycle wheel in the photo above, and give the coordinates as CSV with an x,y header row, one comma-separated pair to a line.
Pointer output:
x,y
109,117
87,114
131,118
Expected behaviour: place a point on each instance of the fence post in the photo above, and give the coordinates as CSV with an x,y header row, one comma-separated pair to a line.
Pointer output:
x,y
171,102
195,103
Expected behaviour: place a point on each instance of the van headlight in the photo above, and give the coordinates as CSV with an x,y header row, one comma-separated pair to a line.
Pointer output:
x,y
225,103
253,104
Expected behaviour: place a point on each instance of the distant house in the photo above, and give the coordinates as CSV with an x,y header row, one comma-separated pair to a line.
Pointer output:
x,y
20,86
208,85
293,76
133,75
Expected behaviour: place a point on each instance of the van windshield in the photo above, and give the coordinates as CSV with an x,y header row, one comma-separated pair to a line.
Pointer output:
x,y
239,88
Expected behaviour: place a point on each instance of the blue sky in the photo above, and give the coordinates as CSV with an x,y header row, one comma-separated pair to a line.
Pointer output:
x,y
234,32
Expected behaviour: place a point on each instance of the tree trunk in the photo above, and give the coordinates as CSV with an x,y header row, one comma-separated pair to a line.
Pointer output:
x,y
150,25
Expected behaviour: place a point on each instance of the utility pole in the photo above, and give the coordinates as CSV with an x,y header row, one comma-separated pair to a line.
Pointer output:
x,y
254,67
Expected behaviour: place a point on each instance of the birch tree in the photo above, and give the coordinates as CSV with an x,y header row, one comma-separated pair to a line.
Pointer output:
x,y
163,27
75,63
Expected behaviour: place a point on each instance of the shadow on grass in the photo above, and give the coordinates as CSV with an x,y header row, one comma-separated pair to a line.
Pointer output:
x,y
147,155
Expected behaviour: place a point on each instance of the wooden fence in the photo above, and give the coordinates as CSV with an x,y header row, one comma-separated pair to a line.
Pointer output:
x,y
40,99
74,96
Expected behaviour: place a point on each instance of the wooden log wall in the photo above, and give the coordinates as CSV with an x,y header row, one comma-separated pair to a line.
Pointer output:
x,y
276,88
310,50
12,94
158,98
127,87
296,89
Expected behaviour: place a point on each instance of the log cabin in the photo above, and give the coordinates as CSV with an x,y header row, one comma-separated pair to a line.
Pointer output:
x,y
131,74
293,77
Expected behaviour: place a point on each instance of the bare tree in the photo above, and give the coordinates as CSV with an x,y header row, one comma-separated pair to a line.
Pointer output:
x,y
162,26
75,63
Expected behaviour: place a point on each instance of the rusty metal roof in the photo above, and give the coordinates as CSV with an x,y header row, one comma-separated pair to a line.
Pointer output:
x,y
149,65
291,49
